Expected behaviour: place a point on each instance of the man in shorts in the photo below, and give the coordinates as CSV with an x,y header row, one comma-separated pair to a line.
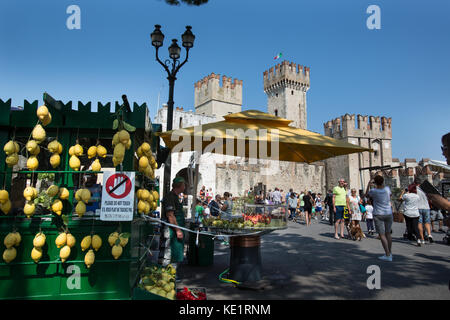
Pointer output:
x,y
382,214
340,200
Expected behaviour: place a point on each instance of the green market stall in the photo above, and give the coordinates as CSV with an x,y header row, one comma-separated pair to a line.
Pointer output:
x,y
50,277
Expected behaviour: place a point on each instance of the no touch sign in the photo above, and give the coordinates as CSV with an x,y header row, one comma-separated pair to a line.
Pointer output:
x,y
117,196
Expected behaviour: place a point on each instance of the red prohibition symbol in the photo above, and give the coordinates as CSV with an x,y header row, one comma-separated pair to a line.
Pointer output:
x,y
118,185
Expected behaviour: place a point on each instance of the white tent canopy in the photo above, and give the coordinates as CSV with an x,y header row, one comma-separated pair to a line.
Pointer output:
x,y
439,165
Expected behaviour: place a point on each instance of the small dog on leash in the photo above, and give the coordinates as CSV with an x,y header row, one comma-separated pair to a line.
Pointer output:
x,y
356,233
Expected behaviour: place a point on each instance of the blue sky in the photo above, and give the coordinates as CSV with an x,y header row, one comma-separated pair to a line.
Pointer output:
x,y
400,71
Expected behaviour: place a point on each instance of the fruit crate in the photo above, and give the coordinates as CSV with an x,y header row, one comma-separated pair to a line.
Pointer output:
x,y
50,278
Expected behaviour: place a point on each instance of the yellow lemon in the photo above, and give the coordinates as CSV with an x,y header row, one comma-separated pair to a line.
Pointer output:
x,y
115,139
141,206
61,240
147,207
72,151
78,150
139,194
85,195
39,240
116,161
38,133
6,207
32,163
16,145
42,112
150,198
128,145
145,147
96,242
145,194
52,190
10,240
139,152
89,258
123,136
113,238
143,162
64,253
55,160
28,193
86,243
18,238
9,148
78,194
96,166
92,152
29,208
12,160
53,146
36,254
63,193
80,208
60,148
119,151
46,121
116,251
57,207
9,254
101,151
4,196
155,195
74,162
123,239
71,240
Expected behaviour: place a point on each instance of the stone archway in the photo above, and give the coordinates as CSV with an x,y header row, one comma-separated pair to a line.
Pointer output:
x,y
185,174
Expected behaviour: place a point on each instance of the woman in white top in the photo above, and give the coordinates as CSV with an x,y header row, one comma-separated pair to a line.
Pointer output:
x,y
355,201
411,212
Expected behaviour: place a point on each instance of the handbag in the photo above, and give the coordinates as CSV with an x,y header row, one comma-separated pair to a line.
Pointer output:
x,y
362,208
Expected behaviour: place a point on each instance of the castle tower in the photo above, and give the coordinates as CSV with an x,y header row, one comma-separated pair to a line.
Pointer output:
x,y
365,131
286,88
213,99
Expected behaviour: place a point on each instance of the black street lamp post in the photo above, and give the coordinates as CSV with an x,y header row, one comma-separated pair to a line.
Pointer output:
x,y
174,64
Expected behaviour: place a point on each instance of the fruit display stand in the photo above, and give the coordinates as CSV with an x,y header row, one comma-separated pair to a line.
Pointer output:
x,y
50,277
245,237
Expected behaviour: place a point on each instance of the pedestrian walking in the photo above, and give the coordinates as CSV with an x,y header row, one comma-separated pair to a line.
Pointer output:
x,y
292,203
382,214
354,202
276,196
424,211
340,200
329,207
369,217
411,213
319,206
308,206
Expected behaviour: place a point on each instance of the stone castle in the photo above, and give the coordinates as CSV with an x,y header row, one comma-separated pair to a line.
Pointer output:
x,y
286,86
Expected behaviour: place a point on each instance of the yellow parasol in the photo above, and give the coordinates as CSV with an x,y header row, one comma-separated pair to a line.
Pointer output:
x,y
256,134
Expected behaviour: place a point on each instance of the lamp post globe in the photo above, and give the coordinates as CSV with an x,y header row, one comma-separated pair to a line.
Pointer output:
x,y
157,36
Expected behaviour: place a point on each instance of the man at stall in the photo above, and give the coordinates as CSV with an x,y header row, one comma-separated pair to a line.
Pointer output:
x,y
171,246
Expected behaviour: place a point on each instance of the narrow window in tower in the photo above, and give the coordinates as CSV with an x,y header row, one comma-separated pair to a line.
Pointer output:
x,y
181,123
276,113
292,92
276,94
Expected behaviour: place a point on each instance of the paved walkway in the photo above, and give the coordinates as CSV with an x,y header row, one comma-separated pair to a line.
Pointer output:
x,y
308,263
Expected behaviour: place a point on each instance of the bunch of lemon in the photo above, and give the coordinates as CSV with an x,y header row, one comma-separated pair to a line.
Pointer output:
x,y
96,151
5,203
82,196
44,115
147,200
29,193
75,152
11,149
121,141
93,241
56,149
65,241
147,162
38,243
118,242
11,241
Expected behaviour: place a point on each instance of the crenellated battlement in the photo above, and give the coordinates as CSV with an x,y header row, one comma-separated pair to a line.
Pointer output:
x,y
209,88
360,126
286,74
